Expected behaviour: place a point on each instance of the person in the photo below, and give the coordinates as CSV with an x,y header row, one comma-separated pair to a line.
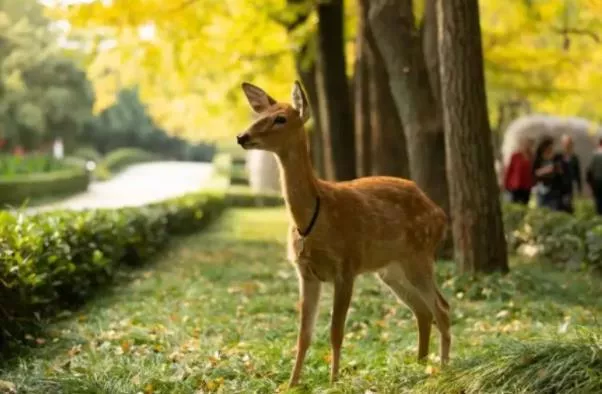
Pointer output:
x,y
547,173
594,177
518,178
571,174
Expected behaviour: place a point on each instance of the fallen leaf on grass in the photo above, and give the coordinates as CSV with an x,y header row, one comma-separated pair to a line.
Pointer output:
x,y
126,346
175,356
431,370
7,387
213,385
75,350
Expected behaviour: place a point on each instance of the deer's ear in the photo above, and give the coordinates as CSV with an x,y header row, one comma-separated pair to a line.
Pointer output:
x,y
300,102
258,98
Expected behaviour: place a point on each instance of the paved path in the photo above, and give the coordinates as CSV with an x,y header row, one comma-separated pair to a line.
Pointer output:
x,y
138,185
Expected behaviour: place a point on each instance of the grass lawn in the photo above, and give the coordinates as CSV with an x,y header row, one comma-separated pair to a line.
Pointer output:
x,y
218,314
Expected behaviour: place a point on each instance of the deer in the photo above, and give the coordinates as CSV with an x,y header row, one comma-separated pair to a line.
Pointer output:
x,y
382,225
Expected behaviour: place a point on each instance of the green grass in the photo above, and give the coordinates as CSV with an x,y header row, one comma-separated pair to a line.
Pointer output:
x,y
217,313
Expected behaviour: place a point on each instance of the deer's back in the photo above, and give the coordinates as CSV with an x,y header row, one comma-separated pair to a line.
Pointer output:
x,y
375,210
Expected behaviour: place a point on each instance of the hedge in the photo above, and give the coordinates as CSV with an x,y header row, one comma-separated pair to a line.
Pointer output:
x,y
12,166
121,158
240,196
15,191
52,261
556,237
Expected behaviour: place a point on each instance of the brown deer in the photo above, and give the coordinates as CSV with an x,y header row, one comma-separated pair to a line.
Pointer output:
x,y
339,230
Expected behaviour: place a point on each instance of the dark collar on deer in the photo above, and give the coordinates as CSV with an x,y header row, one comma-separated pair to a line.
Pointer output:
x,y
312,221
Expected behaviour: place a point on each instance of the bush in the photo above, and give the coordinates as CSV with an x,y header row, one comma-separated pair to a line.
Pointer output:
x,y
54,260
222,164
121,158
546,367
245,197
16,166
87,153
15,191
558,236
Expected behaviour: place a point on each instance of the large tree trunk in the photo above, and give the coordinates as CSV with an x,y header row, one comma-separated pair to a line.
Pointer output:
x,y
389,151
477,225
361,94
400,44
306,69
333,93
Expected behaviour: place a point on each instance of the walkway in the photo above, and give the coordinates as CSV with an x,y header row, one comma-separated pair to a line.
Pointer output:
x,y
138,185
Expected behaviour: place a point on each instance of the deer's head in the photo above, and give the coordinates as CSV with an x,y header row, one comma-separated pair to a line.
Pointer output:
x,y
278,125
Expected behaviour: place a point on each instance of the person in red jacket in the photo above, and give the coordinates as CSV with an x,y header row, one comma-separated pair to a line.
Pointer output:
x,y
518,178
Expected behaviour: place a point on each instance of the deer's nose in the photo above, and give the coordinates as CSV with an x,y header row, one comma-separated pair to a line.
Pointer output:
x,y
241,139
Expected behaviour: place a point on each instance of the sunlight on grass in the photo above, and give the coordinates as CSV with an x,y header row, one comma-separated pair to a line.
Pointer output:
x,y
218,314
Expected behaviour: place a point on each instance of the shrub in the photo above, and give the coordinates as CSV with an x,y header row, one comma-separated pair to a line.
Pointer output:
x,y
55,260
584,208
121,158
558,237
514,215
16,166
239,175
245,197
15,191
87,153
222,164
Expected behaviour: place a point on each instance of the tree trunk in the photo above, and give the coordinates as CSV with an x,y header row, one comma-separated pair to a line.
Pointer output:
x,y
477,226
400,44
361,93
333,93
389,151
305,65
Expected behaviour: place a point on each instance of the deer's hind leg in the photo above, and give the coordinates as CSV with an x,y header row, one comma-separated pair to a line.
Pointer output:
x,y
422,280
393,277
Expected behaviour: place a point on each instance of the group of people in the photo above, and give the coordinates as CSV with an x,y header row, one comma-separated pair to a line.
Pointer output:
x,y
554,177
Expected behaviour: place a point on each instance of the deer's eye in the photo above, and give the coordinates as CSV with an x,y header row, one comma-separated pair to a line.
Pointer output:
x,y
280,120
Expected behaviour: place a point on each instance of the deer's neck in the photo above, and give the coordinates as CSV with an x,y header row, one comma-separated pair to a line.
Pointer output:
x,y
299,185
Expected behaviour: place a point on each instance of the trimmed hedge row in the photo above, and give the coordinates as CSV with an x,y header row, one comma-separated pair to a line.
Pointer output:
x,y
56,260
240,196
121,158
16,190
556,237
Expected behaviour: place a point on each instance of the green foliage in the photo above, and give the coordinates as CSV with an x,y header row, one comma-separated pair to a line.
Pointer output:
x,y
544,366
239,174
15,166
558,237
241,196
87,153
53,260
121,158
44,94
17,190
222,164
127,123
513,215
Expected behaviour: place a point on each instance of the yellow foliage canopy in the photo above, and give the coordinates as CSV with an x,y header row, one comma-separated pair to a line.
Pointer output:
x,y
191,67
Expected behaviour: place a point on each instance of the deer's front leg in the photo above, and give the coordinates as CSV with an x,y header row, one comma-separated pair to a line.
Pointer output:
x,y
309,290
343,289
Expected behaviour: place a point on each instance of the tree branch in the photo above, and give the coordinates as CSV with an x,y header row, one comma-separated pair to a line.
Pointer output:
x,y
576,31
